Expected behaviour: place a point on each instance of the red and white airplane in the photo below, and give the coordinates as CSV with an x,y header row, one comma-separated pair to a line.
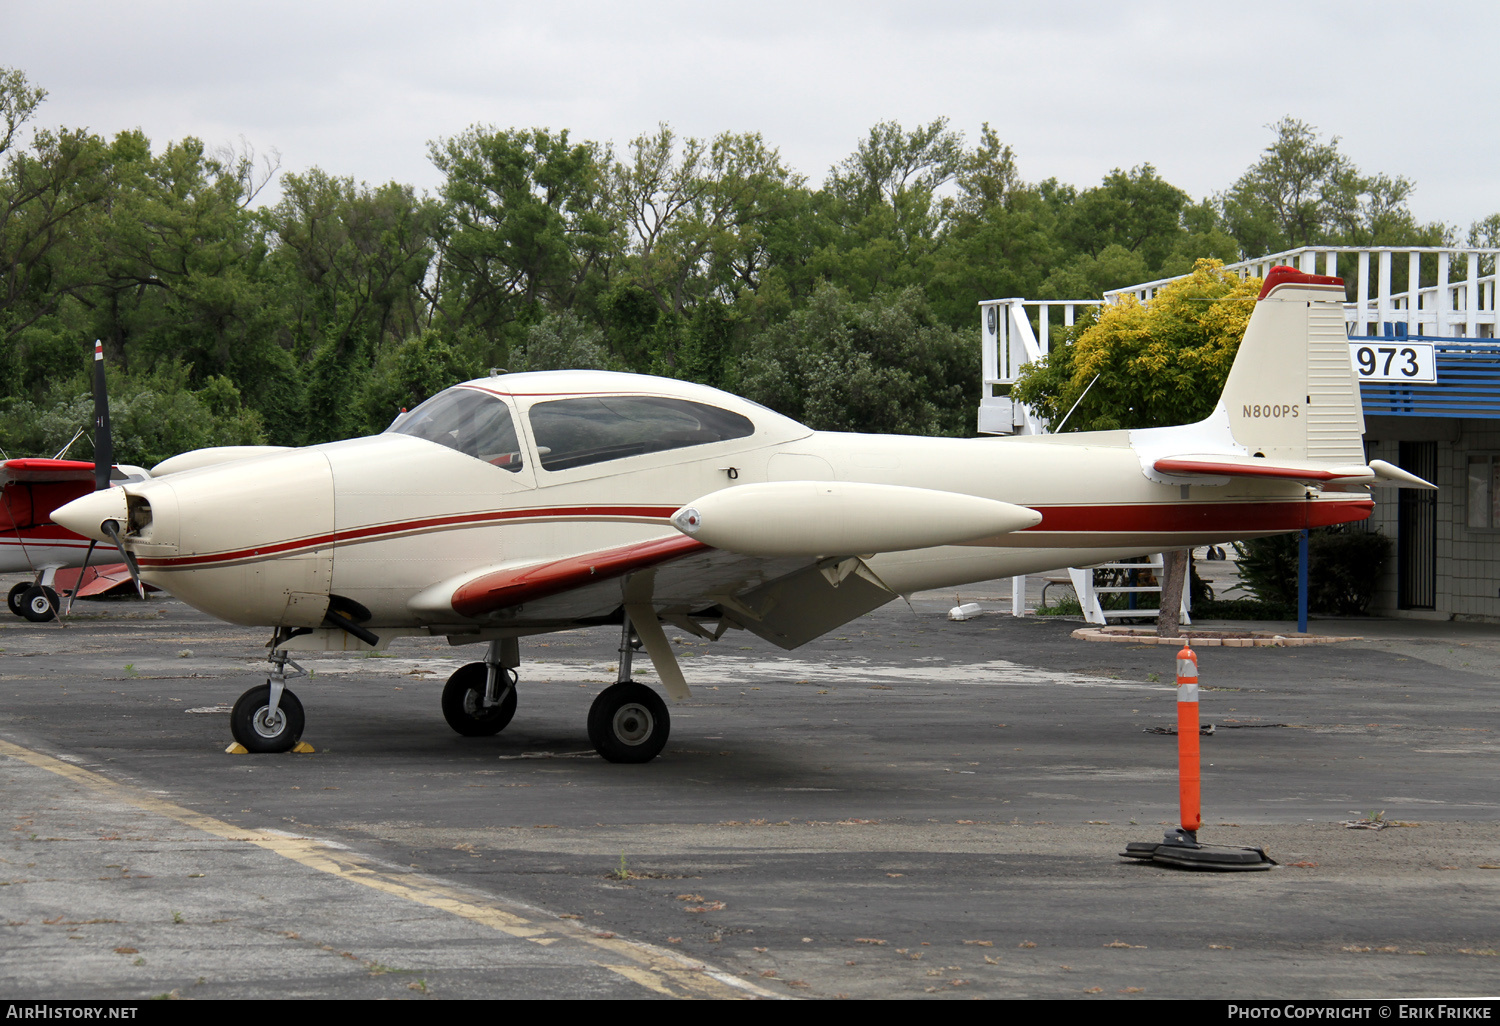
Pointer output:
x,y
31,542
528,503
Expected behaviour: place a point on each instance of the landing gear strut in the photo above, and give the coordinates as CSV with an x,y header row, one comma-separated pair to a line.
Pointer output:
x,y
480,698
268,718
628,722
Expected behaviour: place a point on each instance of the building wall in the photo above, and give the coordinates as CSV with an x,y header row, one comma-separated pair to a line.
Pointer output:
x,y
1468,559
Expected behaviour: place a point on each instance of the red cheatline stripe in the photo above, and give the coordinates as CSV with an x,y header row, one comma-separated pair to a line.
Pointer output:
x,y
1227,516
1142,517
512,587
377,531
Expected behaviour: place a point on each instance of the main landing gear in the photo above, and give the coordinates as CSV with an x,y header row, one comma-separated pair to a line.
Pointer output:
x,y
268,718
35,602
480,698
628,722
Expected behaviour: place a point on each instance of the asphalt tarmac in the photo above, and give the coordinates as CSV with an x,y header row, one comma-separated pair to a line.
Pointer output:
x,y
909,807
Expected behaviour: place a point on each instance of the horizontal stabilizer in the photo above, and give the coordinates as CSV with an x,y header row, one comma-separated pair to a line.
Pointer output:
x,y
1214,465
843,518
1378,472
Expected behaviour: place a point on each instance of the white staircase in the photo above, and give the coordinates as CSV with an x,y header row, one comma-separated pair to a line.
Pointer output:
x,y
1089,593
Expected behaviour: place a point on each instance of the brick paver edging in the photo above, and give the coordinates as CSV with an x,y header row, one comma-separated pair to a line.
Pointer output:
x,y
1206,639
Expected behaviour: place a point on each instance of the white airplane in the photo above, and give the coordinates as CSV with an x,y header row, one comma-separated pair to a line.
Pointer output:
x,y
528,503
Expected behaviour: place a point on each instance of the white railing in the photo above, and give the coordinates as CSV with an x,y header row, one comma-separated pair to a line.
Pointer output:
x,y
1460,300
1008,343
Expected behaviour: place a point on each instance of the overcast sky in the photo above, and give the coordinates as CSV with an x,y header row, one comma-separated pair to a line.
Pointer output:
x,y
1077,89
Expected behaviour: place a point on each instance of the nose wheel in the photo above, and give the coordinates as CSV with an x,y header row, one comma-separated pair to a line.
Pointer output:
x,y
260,728
269,718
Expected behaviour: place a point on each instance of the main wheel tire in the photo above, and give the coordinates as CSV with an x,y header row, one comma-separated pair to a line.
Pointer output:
x,y
39,604
628,722
14,598
463,702
252,728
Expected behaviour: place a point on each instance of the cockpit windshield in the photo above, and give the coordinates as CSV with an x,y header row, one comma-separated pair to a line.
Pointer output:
x,y
576,432
475,423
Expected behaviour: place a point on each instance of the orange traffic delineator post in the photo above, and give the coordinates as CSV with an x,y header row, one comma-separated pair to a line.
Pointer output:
x,y
1180,847
1188,779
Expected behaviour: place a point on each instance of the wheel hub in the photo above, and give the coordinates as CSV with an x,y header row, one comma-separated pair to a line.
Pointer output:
x,y
266,725
633,723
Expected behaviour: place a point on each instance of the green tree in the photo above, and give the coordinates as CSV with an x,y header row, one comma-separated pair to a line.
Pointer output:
x,y
48,190
153,415
527,226
1304,192
353,259
1149,366
882,365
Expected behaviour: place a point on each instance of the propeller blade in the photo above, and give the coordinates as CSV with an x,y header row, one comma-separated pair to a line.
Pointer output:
x,y
112,528
104,446
68,603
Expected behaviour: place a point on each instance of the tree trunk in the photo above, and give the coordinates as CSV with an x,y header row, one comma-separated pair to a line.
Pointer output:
x,y
1174,579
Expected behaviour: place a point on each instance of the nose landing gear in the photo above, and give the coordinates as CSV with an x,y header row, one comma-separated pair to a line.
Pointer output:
x,y
268,718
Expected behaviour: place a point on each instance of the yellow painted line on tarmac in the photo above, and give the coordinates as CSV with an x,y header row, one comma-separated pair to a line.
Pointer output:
x,y
656,969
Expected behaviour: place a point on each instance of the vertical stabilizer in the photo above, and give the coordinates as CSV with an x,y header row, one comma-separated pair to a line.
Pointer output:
x,y
1292,393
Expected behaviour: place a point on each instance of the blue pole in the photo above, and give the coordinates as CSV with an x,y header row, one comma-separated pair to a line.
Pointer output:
x,y
1302,583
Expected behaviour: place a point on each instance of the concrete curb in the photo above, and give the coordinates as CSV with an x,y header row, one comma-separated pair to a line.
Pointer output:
x,y
1207,638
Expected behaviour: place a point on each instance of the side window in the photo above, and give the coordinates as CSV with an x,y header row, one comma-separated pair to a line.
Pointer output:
x,y
576,432
475,423
1484,491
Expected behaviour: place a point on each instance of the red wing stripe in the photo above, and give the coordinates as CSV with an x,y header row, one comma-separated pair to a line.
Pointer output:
x,y
1171,465
512,587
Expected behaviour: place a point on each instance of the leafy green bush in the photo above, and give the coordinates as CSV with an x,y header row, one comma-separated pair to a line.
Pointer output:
x,y
1344,566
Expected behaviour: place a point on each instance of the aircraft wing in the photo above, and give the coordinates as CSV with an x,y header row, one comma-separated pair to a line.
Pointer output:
x,y
786,600
783,560
45,470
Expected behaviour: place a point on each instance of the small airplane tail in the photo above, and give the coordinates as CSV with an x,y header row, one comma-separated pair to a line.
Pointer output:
x,y
1292,393
1291,405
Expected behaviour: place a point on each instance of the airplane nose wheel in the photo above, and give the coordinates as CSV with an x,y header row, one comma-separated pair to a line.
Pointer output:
x,y
628,722
259,730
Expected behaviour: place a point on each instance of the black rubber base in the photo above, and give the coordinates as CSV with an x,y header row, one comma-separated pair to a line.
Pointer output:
x,y
1214,857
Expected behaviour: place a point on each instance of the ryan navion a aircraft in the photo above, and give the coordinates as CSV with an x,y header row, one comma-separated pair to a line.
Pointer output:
x,y
527,503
